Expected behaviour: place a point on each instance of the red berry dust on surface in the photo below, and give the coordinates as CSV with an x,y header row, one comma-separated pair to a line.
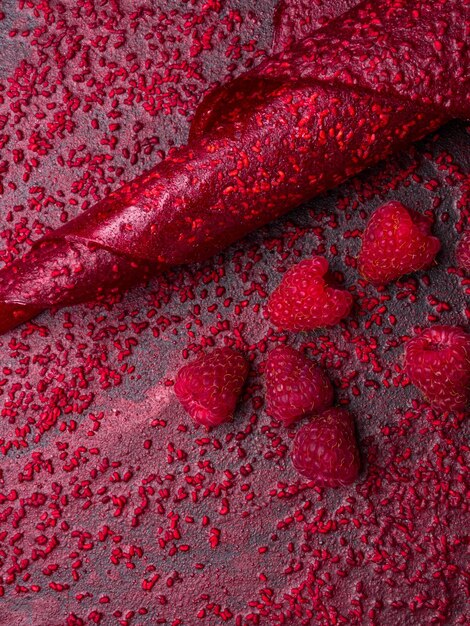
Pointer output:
x,y
115,508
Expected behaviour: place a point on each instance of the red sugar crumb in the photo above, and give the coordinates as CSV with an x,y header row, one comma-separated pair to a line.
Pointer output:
x,y
89,514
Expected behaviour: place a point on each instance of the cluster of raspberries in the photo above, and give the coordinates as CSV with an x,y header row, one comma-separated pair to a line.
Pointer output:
x,y
397,241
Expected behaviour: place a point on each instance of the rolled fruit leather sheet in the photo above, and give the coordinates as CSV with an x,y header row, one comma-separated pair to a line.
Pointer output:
x,y
114,508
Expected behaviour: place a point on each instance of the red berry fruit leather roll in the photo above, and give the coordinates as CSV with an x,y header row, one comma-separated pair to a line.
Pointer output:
x,y
365,85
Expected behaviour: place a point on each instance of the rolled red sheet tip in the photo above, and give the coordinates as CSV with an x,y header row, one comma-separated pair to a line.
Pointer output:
x,y
12,315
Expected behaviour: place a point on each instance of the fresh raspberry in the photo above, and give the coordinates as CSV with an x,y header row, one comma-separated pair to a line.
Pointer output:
x,y
304,300
397,241
295,386
438,363
325,449
463,251
209,387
